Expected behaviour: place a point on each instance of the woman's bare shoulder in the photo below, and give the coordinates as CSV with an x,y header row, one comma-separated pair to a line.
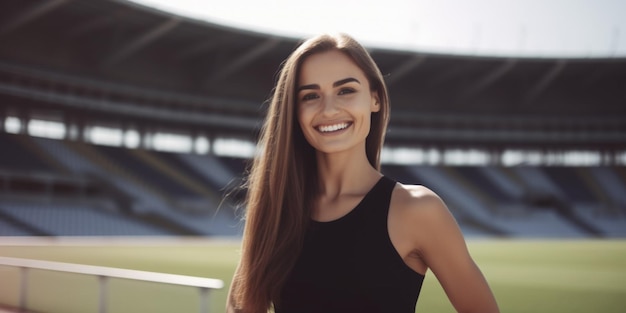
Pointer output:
x,y
421,208
416,199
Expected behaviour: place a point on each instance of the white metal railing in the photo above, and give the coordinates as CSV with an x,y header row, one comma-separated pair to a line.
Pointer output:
x,y
204,285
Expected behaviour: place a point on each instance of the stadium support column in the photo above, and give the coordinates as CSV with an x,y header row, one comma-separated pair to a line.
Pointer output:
x,y
76,128
23,118
146,137
495,157
211,136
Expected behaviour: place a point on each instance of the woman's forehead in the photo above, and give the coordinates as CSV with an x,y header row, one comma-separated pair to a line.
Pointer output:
x,y
328,67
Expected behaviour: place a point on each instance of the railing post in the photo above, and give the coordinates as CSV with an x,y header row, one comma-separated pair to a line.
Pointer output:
x,y
24,289
204,299
102,301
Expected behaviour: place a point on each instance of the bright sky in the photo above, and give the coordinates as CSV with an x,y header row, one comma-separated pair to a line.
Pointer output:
x,y
538,28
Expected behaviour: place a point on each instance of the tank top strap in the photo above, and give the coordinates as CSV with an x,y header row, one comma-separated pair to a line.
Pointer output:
x,y
383,196
377,203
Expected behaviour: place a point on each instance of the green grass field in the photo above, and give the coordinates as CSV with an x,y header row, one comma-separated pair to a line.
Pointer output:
x,y
526,276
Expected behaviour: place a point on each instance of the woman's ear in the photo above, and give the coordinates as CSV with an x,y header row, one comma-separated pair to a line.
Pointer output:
x,y
375,106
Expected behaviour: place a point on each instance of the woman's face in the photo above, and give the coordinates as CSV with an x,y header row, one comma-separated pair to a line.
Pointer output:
x,y
334,102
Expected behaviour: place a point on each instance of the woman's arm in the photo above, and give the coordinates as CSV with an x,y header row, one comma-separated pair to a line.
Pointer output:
x,y
440,244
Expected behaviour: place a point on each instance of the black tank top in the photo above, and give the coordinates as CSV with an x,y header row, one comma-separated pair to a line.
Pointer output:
x,y
350,265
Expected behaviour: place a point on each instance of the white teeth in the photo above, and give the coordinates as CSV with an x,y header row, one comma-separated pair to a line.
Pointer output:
x,y
332,128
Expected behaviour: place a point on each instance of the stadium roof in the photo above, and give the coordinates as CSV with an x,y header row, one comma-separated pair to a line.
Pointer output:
x,y
531,28
118,61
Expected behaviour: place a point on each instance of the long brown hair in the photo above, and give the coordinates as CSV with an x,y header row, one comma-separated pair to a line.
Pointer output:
x,y
282,184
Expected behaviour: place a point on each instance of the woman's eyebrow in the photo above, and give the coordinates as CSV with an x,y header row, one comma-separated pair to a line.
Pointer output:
x,y
345,81
335,84
311,86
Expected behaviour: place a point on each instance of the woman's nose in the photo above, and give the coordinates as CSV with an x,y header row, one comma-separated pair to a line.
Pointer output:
x,y
329,105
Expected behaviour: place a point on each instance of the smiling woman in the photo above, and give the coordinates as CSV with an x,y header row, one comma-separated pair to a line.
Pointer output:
x,y
325,230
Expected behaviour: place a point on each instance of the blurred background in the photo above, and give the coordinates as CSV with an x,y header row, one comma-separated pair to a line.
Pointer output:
x,y
124,119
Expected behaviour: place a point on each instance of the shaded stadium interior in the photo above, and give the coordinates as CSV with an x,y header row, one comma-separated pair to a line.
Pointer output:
x,y
113,62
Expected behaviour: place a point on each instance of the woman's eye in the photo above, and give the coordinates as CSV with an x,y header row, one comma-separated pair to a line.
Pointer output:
x,y
309,96
345,91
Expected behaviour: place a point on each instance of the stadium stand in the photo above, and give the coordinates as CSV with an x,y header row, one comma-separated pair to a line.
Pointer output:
x,y
114,62
165,209
488,201
75,220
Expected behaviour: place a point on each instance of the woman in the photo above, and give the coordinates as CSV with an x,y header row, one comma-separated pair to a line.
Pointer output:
x,y
325,230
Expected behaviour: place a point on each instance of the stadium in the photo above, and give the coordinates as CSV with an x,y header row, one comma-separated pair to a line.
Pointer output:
x,y
127,132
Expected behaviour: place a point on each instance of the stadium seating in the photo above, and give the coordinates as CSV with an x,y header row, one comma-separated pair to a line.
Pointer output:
x,y
183,205
70,188
76,220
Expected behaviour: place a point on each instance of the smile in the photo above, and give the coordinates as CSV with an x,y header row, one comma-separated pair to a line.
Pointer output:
x,y
333,127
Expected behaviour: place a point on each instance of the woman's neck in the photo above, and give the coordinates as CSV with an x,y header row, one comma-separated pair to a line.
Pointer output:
x,y
341,173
